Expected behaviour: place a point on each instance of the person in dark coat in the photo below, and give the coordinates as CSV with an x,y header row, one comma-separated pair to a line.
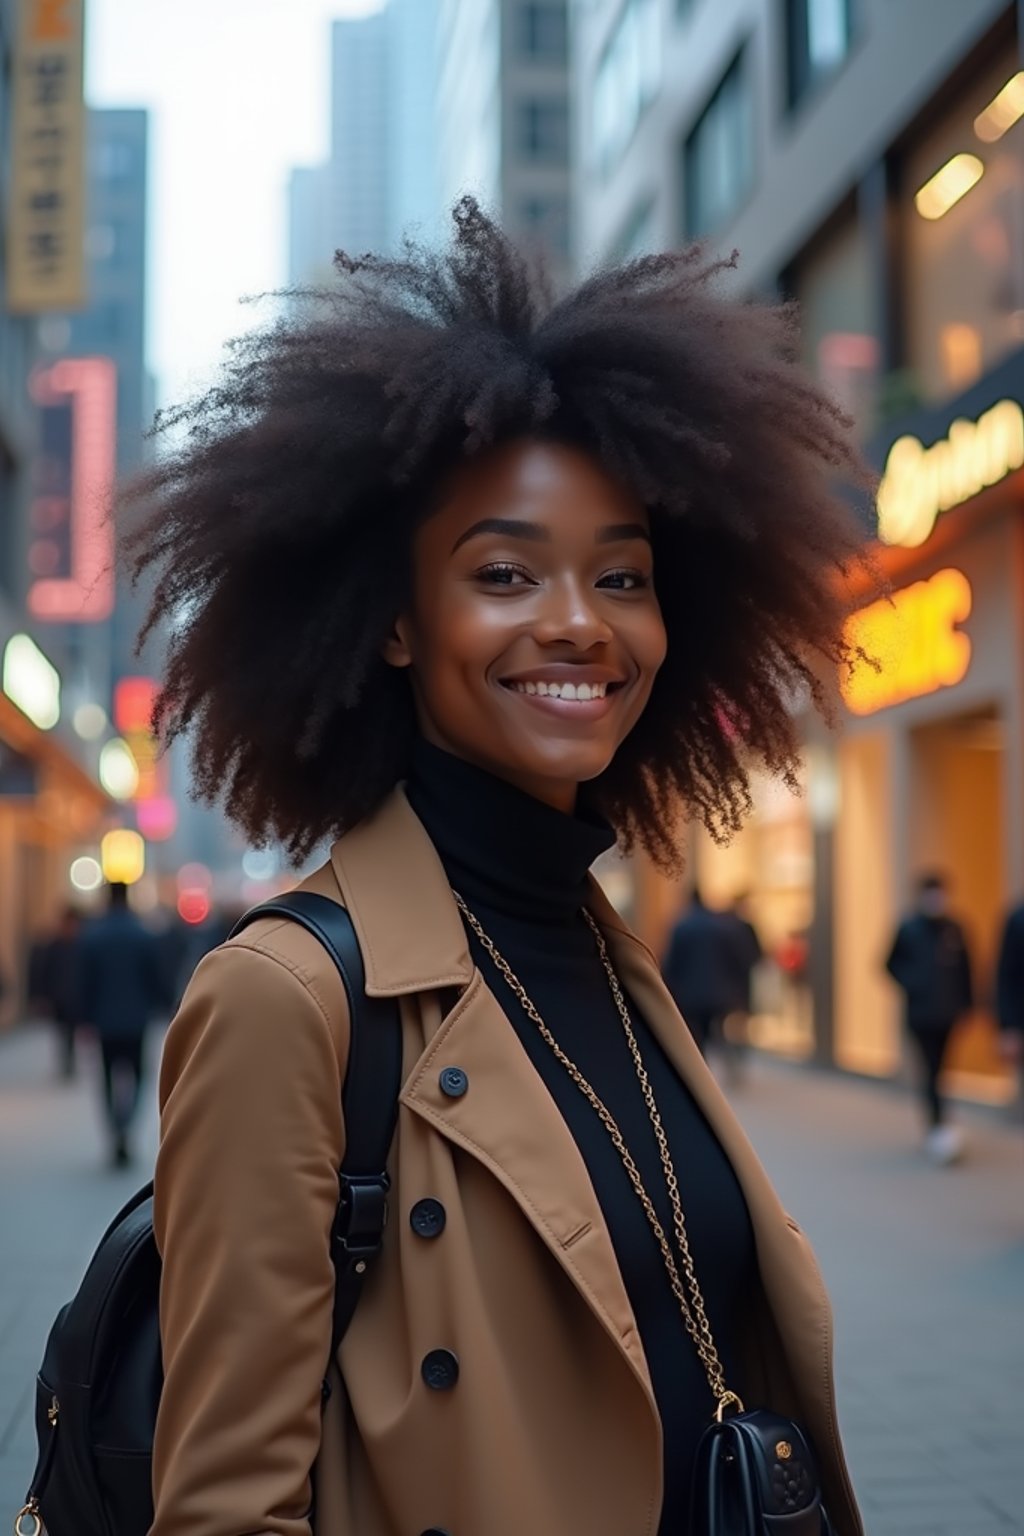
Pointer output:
x,y
746,952
1010,986
930,962
123,985
55,984
700,969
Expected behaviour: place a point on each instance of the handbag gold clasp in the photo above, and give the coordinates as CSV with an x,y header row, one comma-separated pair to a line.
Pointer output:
x,y
30,1512
726,1401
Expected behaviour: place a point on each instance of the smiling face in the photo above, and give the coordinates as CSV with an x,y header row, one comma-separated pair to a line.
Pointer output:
x,y
534,634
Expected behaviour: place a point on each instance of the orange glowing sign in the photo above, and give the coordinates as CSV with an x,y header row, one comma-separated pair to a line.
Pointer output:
x,y
915,641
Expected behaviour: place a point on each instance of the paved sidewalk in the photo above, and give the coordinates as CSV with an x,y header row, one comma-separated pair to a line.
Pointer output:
x,y
925,1266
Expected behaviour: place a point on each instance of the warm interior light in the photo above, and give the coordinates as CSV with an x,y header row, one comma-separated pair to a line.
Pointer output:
x,y
1003,110
123,857
949,184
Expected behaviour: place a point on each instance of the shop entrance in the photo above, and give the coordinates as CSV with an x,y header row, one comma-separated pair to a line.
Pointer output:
x,y
958,826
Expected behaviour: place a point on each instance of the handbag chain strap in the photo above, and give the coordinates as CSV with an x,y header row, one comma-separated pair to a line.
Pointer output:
x,y
688,1295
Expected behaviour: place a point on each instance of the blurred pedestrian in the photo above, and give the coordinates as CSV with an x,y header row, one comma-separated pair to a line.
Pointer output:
x,y
1010,986
123,985
929,960
55,984
745,953
700,969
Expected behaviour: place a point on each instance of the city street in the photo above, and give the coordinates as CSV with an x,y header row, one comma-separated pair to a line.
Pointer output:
x,y
925,1266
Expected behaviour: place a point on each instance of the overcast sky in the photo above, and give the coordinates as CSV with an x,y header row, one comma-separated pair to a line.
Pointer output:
x,y
238,93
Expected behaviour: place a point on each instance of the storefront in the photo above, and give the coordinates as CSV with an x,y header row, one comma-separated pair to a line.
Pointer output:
x,y
50,807
925,773
930,764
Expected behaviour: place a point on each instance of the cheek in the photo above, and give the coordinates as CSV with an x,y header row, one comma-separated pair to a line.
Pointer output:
x,y
456,634
649,640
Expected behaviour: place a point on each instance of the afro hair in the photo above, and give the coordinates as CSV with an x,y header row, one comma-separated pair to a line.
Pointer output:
x,y
279,530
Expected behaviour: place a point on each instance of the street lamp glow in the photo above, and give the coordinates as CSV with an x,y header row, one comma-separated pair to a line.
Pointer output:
x,y
124,857
949,184
119,772
1005,109
90,721
32,682
85,874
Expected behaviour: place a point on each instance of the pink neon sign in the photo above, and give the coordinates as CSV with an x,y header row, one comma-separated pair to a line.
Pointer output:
x,y
89,385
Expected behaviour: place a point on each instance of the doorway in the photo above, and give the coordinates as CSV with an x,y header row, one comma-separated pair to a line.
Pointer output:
x,y
958,827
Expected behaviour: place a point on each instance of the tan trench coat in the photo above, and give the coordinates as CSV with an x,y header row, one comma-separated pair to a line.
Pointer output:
x,y
551,1428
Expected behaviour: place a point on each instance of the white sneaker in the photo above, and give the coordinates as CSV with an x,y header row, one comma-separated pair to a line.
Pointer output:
x,y
944,1144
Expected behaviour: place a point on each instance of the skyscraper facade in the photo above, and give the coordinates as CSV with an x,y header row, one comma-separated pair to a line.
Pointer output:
x,y
504,116
381,180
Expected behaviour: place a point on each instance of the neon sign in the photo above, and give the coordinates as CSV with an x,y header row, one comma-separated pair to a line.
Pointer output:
x,y
915,641
920,483
81,502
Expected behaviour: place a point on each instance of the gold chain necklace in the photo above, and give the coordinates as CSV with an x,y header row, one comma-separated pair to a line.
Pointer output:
x,y
691,1305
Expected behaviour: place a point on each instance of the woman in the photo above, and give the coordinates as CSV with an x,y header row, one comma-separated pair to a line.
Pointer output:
x,y
477,584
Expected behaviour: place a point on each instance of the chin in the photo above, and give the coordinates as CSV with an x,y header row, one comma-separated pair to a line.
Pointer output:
x,y
573,764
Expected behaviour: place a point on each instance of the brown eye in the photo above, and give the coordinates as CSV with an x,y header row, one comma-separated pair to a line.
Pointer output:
x,y
625,581
501,574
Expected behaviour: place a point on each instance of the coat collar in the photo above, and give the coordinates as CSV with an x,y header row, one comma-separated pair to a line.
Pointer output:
x,y
409,928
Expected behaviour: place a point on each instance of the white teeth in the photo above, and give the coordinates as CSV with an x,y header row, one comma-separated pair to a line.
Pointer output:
x,y
578,693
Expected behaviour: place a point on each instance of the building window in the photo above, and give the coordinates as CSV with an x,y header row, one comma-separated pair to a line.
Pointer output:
x,y
718,159
628,79
544,129
547,219
834,283
543,31
112,160
962,210
818,34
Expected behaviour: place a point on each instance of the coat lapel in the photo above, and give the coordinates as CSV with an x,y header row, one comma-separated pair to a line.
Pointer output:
x,y
412,940
507,1119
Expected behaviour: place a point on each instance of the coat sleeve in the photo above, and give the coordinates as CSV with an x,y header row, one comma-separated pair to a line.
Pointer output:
x,y
246,1191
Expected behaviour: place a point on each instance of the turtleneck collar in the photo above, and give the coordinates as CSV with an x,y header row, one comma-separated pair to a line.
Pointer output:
x,y
500,847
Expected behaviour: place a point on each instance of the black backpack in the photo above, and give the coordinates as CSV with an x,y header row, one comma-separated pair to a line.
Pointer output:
x,y
99,1386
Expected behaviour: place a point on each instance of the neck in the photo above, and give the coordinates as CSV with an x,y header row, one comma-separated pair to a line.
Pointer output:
x,y
501,843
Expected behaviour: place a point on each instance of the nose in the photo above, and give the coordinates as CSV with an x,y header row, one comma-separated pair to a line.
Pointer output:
x,y
569,611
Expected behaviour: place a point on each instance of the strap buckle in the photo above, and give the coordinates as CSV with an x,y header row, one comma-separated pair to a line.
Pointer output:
x,y
361,1217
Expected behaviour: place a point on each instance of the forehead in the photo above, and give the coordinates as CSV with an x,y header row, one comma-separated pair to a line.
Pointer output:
x,y
539,479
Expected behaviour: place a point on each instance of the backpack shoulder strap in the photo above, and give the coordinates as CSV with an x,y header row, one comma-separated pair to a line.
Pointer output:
x,y
370,1092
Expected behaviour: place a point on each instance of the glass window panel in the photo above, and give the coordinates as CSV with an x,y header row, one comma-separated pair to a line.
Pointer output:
x,y
964,287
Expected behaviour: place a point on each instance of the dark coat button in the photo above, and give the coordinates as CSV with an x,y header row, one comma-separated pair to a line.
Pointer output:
x,y
454,1082
427,1218
440,1370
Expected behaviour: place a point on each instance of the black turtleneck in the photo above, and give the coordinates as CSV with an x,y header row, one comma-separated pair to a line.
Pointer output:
x,y
522,869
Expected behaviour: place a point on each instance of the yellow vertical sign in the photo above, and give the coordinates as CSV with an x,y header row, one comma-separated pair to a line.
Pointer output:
x,y
46,214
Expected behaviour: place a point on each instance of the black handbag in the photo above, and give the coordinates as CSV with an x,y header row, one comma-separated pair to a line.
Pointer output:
x,y
755,1475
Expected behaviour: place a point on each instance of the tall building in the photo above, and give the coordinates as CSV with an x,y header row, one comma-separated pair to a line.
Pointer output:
x,y
504,115
50,801
381,180
360,132
867,159
112,326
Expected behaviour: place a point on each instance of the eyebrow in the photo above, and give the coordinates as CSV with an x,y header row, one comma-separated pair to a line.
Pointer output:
x,y
515,528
